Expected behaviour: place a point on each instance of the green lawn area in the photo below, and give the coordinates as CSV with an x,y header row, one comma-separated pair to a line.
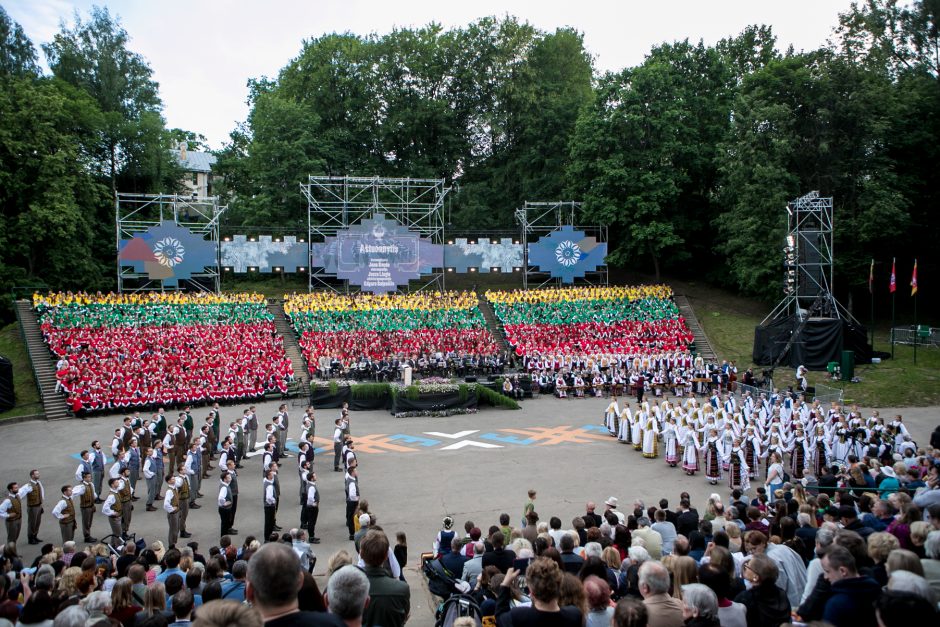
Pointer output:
x,y
24,384
729,321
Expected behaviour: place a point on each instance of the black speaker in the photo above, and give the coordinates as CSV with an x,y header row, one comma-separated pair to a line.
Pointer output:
x,y
470,379
7,396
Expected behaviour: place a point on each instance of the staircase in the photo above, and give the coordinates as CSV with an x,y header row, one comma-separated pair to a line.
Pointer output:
x,y
43,364
702,345
291,346
492,323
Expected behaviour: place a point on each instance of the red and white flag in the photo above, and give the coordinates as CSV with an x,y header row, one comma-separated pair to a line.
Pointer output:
x,y
893,286
914,280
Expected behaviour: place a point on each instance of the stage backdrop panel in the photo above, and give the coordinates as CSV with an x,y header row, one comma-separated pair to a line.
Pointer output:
x,y
168,252
264,254
567,254
378,255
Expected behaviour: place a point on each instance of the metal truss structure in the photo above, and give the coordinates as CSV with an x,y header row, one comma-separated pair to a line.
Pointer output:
x,y
808,261
537,219
136,213
334,203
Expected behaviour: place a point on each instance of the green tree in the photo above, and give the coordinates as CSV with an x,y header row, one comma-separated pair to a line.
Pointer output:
x,y
93,55
808,122
643,155
17,54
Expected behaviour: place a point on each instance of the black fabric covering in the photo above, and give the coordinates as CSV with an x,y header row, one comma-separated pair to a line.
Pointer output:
x,y
434,402
7,397
820,341
322,398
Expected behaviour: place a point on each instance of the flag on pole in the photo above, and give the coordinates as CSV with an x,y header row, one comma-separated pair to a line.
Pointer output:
x,y
871,278
914,280
893,286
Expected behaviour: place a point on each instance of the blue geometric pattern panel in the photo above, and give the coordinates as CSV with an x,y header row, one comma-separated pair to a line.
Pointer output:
x,y
567,254
168,252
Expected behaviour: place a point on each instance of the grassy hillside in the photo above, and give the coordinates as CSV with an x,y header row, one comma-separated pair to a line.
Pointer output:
x,y
729,322
24,383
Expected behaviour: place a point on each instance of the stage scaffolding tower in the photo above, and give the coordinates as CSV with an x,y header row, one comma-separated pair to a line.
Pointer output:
x,y
334,203
537,219
136,213
808,262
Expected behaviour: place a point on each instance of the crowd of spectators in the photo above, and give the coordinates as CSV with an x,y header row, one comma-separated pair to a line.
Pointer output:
x,y
368,336
137,351
737,564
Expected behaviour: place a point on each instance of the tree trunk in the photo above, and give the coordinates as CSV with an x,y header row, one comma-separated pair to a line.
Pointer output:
x,y
655,259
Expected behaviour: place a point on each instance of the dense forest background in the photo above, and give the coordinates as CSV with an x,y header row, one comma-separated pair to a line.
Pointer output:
x,y
689,157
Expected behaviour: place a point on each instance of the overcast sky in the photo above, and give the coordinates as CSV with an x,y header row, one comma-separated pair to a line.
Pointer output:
x,y
203,51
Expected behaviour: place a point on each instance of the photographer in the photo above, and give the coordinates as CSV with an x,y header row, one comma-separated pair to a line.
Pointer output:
x,y
543,578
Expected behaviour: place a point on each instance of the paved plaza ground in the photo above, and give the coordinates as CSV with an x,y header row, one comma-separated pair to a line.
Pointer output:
x,y
413,472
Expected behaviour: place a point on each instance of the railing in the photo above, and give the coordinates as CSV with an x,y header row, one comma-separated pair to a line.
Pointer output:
x,y
822,393
923,336
28,291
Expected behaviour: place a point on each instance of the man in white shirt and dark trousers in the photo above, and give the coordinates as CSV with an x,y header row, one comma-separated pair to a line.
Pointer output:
x,y
113,510
64,512
233,492
87,497
352,500
225,504
35,495
312,507
11,510
151,475
171,505
270,503
338,443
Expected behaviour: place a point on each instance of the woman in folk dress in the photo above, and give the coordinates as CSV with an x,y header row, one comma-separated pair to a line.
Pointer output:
x,y
737,468
751,446
690,451
799,455
650,439
711,456
822,453
612,417
636,430
626,424
671,442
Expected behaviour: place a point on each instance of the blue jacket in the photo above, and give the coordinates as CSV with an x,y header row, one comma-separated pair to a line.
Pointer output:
x,y
851,603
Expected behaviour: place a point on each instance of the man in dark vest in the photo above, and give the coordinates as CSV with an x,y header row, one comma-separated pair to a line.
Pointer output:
x,y
133,463
152,475
87,497
269,498
184,495
125,494
312,506
11,511
64,512
225,504
113,510
352,500
252,429
233,486
35,496
171,505
97,469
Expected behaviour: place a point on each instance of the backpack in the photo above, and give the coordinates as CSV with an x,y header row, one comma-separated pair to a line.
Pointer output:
x,y
458,606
